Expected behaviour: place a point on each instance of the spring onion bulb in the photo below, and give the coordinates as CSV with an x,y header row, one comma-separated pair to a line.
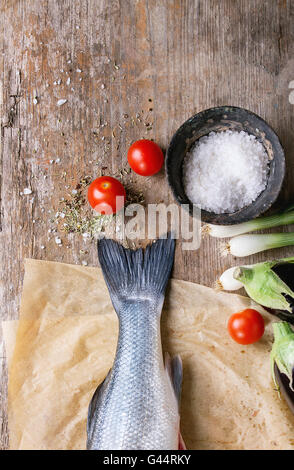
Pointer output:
x,y
245,245
276,220
227,281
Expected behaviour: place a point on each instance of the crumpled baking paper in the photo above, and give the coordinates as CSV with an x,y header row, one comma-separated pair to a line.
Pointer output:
x,y
64,344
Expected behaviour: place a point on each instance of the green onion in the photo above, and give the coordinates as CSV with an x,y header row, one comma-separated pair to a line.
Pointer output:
x,y
285,217
282,353
245,245
270,284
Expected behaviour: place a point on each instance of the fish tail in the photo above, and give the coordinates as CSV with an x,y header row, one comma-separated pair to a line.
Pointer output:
x,y
130,272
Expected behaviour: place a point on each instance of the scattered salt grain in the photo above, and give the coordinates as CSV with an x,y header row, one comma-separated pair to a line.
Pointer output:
x,y
58,241
68,81
225,171
35,100
27,191
61,102
42,247
84,263
78,70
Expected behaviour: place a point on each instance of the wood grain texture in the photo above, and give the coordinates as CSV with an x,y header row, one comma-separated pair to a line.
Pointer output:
x,y
184,55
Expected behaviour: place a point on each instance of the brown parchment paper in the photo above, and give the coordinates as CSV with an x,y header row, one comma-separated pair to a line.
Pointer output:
x,y
64,344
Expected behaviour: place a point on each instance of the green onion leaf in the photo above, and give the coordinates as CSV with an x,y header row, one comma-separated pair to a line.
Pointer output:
x,y
282,352
264,286
285,217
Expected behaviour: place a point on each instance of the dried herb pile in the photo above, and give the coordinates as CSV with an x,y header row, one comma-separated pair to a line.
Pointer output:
x,y
75,215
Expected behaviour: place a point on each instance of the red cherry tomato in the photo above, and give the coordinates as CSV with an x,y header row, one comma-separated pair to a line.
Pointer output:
x,y
103,193
145,157
246,327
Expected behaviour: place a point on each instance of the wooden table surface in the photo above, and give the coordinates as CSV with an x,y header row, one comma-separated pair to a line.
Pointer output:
x,y
113,61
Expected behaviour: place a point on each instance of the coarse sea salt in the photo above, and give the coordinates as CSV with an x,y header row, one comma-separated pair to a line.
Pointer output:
x,y
225,171
27,191
61,102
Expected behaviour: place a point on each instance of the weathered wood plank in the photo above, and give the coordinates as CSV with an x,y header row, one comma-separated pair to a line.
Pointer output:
x,y
184,55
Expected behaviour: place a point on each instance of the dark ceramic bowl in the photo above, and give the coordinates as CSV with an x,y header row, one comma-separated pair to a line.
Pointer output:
x,y
221,119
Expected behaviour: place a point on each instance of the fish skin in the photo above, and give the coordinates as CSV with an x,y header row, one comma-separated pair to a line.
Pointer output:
x,y
136,407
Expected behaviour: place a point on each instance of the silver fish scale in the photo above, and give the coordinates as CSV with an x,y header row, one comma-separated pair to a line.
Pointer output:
x,y
137,407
